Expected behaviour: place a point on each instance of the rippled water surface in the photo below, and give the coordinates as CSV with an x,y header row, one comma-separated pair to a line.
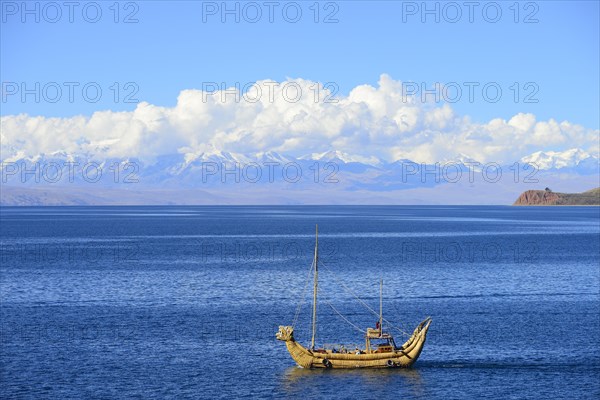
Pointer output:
x,y
159,302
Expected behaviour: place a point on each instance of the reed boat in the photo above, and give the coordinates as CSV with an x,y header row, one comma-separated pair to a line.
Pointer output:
x,y
380,350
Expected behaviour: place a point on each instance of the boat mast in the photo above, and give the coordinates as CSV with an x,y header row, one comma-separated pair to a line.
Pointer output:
x,y
380,307
314,315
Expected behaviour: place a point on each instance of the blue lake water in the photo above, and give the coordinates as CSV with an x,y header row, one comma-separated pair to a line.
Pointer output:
x,y
176,302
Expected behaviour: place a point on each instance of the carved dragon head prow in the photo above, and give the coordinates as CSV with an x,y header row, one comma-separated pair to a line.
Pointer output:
x,y
286,333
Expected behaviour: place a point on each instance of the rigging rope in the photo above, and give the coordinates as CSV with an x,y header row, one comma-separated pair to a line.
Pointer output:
x,y
301,303
361,301
303,298
344,318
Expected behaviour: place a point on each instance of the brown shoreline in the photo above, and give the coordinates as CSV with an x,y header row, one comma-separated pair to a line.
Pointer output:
x,y
549,198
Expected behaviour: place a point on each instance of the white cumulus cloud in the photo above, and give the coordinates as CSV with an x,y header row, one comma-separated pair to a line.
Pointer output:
x,y
296,117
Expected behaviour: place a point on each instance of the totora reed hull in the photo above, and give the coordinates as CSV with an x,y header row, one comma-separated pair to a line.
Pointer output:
x,y
402,357
380,348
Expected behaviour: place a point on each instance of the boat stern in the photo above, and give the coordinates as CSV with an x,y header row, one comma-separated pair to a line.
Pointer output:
x,y
424,326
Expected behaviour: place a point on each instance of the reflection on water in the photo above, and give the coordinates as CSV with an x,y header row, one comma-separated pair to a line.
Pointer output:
x,y
295,380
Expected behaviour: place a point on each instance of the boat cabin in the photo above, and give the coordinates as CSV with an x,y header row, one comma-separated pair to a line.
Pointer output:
x,y
378,342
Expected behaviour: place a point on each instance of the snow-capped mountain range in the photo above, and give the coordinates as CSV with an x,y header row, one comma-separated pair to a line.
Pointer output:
x,y
264,176
169,167
557,160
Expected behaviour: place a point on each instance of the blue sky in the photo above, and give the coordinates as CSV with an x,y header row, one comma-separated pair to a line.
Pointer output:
x,y
171,49
512,79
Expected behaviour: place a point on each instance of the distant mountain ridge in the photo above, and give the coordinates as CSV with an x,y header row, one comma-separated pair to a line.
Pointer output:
x,y
550,198
557,160
331,177
576,159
